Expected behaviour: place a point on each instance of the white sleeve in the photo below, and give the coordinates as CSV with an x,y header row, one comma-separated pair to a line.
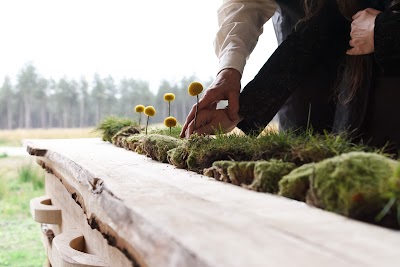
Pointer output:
x,y
240,24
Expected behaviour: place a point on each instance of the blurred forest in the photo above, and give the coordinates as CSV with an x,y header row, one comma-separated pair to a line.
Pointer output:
x,y
36,102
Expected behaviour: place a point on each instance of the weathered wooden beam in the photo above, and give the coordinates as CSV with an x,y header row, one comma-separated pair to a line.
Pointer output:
x,y
157,215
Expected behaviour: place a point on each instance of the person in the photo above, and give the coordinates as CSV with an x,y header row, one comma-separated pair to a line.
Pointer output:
x,y
240,26
365,89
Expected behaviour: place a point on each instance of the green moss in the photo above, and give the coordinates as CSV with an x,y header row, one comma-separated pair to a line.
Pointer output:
x,y
134,142
296,184
267,175
345,183
219,170
177,157
112,124
241,173
120,138
262,176
175,131
355,184
201,151
156,146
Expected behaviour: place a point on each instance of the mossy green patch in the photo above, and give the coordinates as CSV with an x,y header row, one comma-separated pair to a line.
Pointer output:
x,y
267,175
112,124
120,137
261,176
175,131
355,184
156,146
202,151
296,184
177,156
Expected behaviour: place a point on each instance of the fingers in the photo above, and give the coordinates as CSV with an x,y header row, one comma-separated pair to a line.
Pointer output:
x,y
207,129
233,107
355,51
357,15
203,118
189,118
365,11
202,106
211,122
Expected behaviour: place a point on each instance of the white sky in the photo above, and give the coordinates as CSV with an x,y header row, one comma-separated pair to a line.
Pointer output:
x,y
147,40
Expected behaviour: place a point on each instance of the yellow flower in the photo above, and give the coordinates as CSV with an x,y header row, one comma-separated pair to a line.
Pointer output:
x,y
139,108
150,111
195,88
169,97
170,121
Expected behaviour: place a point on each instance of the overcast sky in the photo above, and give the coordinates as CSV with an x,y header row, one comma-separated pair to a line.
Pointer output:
x,y
147,40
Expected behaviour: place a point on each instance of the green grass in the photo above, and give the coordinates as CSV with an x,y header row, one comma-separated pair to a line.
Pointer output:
x,y
200,152
112,124
175,131
20,181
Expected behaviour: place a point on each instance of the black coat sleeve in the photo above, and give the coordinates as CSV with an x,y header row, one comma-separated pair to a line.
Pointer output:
x,y
387,41
323,37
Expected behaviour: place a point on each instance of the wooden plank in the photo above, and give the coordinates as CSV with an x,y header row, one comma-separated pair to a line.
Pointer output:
x,y
43,211
172,217
75,220
67,251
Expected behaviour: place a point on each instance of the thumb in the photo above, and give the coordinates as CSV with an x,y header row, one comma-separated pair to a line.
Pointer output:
x,y
233,106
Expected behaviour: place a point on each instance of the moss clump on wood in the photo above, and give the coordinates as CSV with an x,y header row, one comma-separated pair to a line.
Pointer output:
x,y
177,155
120,138
296,184
356,184
201,151
156,146
268,174
261,176
175,131
135,143
112,124
314,168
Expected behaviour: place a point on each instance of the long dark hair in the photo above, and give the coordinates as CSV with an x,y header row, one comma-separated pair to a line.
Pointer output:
x,y
357,70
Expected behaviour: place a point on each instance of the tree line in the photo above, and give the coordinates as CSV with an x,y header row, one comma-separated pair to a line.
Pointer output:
x,y
36,102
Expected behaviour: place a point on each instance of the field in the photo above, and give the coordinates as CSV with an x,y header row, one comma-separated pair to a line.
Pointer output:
x,y
20,180
14,137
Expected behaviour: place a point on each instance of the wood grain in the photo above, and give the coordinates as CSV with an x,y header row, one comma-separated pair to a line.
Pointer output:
x,y
170,217
43,211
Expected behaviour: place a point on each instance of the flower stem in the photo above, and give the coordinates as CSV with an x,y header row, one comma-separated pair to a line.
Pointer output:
x,y
169,108
195,114
147,124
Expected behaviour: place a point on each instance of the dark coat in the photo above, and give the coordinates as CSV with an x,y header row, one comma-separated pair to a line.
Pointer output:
x,y
298,78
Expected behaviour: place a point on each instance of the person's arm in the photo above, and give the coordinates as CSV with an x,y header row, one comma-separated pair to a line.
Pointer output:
x,y
387,40
323,37
240,25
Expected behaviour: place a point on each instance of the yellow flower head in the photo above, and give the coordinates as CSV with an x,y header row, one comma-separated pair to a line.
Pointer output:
x,y
150,111
139,108
169,97
170,122
195,88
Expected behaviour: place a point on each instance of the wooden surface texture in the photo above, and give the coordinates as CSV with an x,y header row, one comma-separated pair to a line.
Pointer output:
x,y
164,216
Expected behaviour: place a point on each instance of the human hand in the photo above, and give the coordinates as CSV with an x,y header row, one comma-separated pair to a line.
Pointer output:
x,y
226,86
362,32
211,121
